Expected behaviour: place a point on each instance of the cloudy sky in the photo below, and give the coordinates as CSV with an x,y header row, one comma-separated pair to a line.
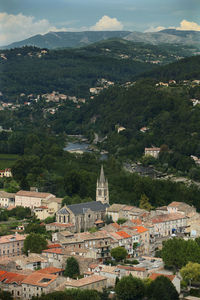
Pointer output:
x,y
20,19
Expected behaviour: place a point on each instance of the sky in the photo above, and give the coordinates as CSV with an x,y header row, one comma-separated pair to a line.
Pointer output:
x,y
20,19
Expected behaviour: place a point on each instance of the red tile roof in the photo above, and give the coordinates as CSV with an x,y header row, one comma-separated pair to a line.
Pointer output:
x,y
167,217
123,234
61,225
140,229
33,194
10,277
116,225
39,279
53,250
50,270
54,246
153,276
136,221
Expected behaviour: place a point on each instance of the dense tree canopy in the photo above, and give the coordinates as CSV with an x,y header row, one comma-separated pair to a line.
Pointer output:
x,y
35,243
130,288
72,268
162,288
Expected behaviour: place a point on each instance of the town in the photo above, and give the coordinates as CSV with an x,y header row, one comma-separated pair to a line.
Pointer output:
x,y
108,242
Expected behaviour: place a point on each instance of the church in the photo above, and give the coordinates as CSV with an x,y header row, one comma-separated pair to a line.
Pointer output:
x,y
84,215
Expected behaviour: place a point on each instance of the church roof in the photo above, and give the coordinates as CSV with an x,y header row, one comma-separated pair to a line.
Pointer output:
x,y
102,177
63,211
81,208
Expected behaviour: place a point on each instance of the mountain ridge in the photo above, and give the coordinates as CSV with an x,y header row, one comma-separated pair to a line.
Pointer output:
x,y
62,39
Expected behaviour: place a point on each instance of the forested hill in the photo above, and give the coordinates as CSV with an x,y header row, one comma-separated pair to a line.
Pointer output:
x,y
187,68
73,71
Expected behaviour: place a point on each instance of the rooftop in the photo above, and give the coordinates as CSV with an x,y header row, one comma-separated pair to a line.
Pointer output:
x,y
85,281
153,276
33,194
167,217
50,270
123,234
11,238
39,279
140,229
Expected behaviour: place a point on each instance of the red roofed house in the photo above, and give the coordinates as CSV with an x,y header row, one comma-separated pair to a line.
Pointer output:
x,y
152,151
12,282
144,245
38,283
123,239
173,278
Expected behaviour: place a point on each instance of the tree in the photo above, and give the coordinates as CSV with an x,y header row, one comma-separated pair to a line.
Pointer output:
x,y
71,268
35,243
176,253
144,203
119,253
130,288
4,295
162,288
191,272
121,221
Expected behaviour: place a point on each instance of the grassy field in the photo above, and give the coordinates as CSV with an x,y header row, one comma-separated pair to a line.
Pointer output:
x,y
7,160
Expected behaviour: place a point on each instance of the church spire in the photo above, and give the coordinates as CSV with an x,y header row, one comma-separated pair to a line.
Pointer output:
x,y
102,177
102,193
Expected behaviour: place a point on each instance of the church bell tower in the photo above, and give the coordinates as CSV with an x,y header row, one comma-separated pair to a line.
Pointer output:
x,y
102,193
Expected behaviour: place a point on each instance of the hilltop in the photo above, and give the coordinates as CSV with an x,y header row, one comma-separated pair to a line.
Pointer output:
x,y
54,40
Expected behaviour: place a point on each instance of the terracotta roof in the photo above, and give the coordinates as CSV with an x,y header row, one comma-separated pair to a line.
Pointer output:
x,y
88,273
11,238
116,225
33,194
10,277
2,272
50,270
136,221
152,149
123,234
93,266
4,194
129,268
153,276
167,217
115,235
54,246
140,229
115,207
39,279
85,281
127,207
53,250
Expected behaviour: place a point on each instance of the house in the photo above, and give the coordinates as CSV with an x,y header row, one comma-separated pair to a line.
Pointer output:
x,y
144,239
37,284
168,224
12,282
140,272
144,129
120,128
11,245
31,262
31,199
114,211
7,199
6,173
60,227
154,151
173,278
181,207
93,282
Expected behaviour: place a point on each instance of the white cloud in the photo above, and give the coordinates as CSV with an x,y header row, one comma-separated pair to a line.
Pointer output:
x,y
107,23
154,29
187,25
184,25
18,27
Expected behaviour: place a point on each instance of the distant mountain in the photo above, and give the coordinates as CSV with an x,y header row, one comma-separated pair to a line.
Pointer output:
x,y
170,36
53,40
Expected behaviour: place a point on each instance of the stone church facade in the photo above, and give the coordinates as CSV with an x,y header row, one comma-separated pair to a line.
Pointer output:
x,y
84,215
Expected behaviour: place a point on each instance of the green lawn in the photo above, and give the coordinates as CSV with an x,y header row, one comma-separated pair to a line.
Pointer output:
x,y
7,160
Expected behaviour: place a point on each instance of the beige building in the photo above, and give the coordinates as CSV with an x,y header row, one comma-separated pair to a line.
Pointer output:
x,y
11,245
48,208
93,282
154,151
38,283
7,199
168,224
31,199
